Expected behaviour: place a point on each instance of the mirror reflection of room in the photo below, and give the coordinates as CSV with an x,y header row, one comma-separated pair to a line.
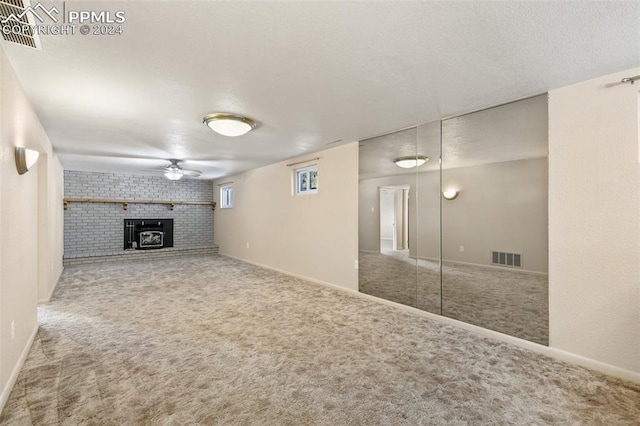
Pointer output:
x,y
387,218
460,227
399,260
494,229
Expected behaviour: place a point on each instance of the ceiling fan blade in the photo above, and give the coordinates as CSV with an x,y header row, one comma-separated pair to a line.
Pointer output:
x,y
159,170
192,173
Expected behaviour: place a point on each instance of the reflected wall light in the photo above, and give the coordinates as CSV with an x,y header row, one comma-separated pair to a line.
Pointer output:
x,y
411,161
450,194
25,159
229,124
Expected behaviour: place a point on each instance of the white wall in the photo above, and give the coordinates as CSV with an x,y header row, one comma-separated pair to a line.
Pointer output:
x,y
314,235
24,224
50,230
594,222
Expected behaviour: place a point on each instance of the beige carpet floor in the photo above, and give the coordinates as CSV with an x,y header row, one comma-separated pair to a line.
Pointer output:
x,y
215,341
507,301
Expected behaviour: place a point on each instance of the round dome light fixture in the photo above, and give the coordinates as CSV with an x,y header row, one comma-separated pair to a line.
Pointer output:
x,y
228,124
411,161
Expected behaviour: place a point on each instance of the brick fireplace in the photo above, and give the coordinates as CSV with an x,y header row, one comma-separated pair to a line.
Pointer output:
x,y
185,227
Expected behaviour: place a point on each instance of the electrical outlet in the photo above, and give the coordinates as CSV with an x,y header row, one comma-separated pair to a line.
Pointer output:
x,y
461,249
373,209
355,264
13,329
247,244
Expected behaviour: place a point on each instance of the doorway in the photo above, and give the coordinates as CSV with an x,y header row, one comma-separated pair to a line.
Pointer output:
x,y
394,218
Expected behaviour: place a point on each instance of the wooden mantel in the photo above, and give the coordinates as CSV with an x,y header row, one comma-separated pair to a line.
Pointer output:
x,y
125,203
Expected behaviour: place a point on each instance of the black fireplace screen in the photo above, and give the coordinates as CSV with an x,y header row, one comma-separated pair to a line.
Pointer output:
x,y
149,239
145,234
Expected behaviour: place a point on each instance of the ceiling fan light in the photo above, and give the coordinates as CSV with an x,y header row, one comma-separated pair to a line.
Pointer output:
x,y
229,124
411,161
174,174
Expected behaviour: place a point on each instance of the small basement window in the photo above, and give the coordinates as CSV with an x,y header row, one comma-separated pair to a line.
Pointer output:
x,y
226,197
306,180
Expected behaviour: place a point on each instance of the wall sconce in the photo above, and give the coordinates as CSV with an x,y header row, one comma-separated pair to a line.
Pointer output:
x,y
450,194
25,159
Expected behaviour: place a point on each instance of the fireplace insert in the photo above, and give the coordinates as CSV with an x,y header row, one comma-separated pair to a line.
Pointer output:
x,y
148,234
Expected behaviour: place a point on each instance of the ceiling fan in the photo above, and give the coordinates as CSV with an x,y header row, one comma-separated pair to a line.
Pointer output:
x,y
175,172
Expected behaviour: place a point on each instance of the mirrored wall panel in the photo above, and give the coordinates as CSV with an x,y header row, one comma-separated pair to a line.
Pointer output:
x,y
494,219
453,218
399,217
387,217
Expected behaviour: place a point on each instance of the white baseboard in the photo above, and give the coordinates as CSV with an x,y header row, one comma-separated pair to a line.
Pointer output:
x,y
6,391
559,354
592,364
494,267
53,288
501,268
525,344
456,262
430,259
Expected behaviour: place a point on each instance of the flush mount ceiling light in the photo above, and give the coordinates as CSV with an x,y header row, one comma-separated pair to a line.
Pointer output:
x,y
25,159
450,194
229,124
411,161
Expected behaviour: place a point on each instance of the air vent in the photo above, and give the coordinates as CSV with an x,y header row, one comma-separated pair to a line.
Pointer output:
x,y
510,260
12,14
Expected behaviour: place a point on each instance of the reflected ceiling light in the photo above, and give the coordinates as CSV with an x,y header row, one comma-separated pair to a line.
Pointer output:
x,y
411,161
229,124
25,159
450,194
174,173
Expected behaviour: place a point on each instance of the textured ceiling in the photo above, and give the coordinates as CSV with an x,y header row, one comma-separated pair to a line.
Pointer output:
x,y
515,131
309,72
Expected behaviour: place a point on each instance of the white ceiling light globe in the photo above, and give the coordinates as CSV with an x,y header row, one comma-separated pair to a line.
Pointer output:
x,y
411,162
229,124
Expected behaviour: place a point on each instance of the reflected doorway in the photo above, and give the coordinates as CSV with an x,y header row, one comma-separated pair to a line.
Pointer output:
x,y
394,218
